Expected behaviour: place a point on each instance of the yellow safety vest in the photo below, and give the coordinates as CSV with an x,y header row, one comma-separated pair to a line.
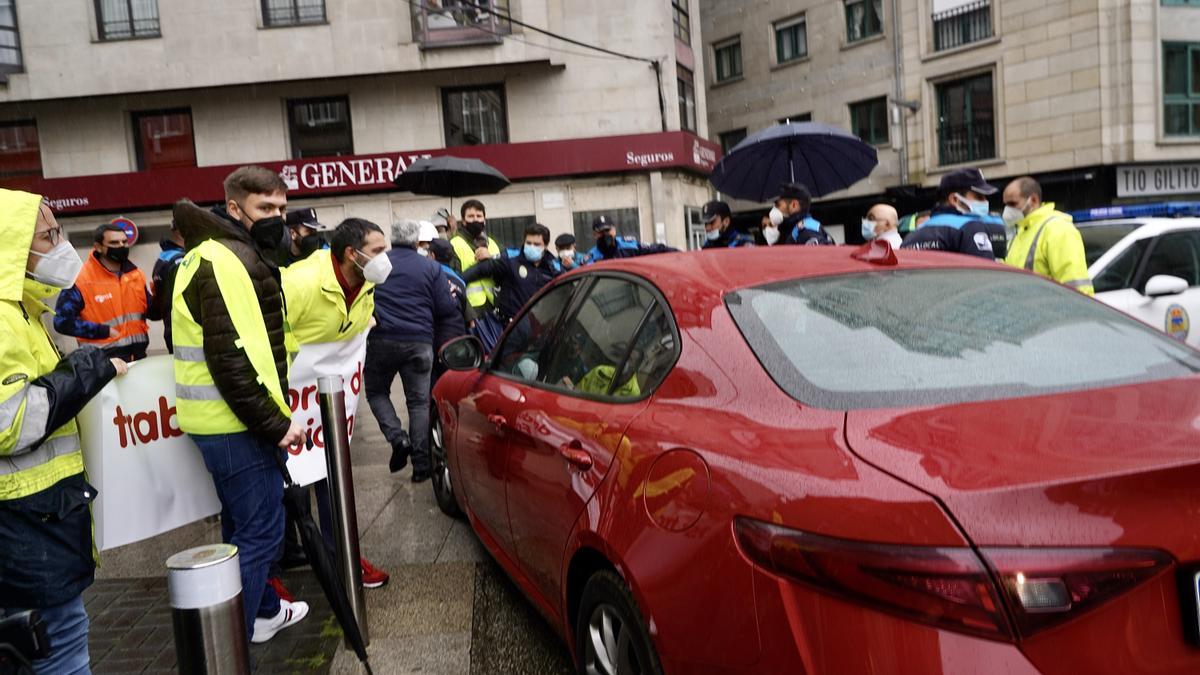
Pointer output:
x,y
316,304
1048,243
482,292
27,353
199,405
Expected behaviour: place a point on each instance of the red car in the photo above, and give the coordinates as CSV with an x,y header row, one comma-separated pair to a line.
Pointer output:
x,y
794,460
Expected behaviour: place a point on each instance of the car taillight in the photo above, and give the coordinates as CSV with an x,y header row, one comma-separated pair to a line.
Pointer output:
x,y
950,587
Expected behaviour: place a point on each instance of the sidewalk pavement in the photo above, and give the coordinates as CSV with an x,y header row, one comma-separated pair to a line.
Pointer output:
x,y
447,609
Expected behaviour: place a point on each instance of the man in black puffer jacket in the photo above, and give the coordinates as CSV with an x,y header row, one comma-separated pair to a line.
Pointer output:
x,y
231,369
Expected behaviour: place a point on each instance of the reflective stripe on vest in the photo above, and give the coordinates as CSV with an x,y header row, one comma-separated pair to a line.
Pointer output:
x,y
199,405
951,220
55,459
117,301
483,291
1034,244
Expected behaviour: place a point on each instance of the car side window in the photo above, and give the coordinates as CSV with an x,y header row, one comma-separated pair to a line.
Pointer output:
x,y
1176,254
653,352
1119,273
525,349
595,341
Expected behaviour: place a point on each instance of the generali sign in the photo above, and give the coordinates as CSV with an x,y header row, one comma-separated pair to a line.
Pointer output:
x,y
377,173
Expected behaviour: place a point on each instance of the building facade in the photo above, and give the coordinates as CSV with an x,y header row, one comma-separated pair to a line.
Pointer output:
x,y
121,107
1099,99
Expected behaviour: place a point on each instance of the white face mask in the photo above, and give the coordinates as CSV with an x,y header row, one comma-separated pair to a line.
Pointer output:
x,y
377,269
776,216
712,235
1013,215
771,234
423,252
59,267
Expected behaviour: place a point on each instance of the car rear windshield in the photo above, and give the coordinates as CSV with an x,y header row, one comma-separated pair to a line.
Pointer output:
x,y
924,337
1097,239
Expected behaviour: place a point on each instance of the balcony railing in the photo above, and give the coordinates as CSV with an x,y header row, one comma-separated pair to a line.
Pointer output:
x,y
959,143
962,25
460,22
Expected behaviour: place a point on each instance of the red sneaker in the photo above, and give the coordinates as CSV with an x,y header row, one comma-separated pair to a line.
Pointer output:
x,y
372,577
277,584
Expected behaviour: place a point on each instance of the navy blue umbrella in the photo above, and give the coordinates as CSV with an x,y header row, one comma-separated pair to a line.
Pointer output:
x,y
822,157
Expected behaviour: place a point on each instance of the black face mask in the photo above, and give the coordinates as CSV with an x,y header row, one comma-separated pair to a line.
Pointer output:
x,y
117,254
607,244
268,233
309,243
474,229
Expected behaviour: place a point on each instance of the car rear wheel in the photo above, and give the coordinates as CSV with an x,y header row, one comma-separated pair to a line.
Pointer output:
x,y
443,486
610,636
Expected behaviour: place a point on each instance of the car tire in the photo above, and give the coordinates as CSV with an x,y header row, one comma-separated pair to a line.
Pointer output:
x,y
443,483
610,636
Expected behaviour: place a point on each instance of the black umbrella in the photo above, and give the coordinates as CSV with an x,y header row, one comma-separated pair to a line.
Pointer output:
x,y
296,501
822,157
448,176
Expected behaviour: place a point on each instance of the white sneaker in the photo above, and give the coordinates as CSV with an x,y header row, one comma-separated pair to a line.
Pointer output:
x,y
290,614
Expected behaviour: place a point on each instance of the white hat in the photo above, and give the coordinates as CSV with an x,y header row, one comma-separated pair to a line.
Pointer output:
x,y
427,232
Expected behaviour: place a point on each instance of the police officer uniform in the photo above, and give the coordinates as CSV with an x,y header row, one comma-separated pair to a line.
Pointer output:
x,y
620,247
727,237
801,228
978,234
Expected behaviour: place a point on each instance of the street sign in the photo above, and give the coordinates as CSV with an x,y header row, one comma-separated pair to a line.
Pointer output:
x,y
1148,180
131,229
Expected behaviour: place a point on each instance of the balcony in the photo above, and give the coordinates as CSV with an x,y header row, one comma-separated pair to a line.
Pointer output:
x,y
451,23
962,25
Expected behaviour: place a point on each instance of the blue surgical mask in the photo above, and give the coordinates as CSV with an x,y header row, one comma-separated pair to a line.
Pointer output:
x,y
976,208
533,253
712,235
868,229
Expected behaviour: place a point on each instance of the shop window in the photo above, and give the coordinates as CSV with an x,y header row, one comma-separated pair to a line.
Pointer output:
x,y
509,232
727,59
164,139
445,23
320,127
966,120
1181,89
864,19
968,22
475,115
796,119
10,39
626,221
127,19
869,120
20,153
791,40
278,13
683,22
687,100
730,139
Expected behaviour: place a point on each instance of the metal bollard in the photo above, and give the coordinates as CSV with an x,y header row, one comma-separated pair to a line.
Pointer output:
x,y
332,396
205,586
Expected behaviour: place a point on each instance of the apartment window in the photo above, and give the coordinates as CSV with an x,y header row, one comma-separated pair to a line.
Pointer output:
x,y
509,232
727,57
966,120
869,120
683,23
20,153
730,139
966,23
687,100
1181,89
10,39
625,219
292,12
127,19
443,23
320,127
475,115
1181,3
163,139
791,40
796,119
864,18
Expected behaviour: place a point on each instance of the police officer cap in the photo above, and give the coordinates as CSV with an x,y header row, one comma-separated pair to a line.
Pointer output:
x,y
962,180
441,250
602,223
716,209
795,191
564,240
305,217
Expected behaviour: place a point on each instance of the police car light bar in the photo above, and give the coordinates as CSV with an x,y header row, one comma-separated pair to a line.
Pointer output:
x,y
1160,210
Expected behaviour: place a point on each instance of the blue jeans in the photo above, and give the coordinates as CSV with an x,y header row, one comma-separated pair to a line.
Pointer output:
x,y
250,488
67,629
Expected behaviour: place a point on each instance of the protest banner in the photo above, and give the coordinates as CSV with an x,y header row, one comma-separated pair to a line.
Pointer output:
x,y
306,463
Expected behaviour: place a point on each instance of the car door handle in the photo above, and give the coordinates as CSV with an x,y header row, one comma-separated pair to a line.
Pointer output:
x,y
575,455
498,421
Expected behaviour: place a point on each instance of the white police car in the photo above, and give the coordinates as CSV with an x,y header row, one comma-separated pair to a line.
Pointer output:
x,y
1144,260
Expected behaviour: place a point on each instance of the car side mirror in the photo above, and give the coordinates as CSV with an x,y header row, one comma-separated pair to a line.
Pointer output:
x,y
1164,284
462,353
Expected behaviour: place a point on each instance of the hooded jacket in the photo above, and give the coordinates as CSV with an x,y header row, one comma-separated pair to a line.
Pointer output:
x,y
46,553
232,372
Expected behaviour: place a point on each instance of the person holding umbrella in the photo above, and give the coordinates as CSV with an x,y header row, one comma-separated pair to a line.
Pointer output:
x,y
471,245
790,215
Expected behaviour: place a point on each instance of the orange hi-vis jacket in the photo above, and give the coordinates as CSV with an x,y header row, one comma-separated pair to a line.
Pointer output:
x,y
116,300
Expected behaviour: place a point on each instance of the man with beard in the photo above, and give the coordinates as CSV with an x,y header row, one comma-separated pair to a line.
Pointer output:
x,y
471,245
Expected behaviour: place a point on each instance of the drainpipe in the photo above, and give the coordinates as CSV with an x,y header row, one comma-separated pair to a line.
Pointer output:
x,y
898,74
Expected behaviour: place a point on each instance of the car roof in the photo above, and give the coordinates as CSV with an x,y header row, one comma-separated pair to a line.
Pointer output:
x,y
701,278
1146,227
